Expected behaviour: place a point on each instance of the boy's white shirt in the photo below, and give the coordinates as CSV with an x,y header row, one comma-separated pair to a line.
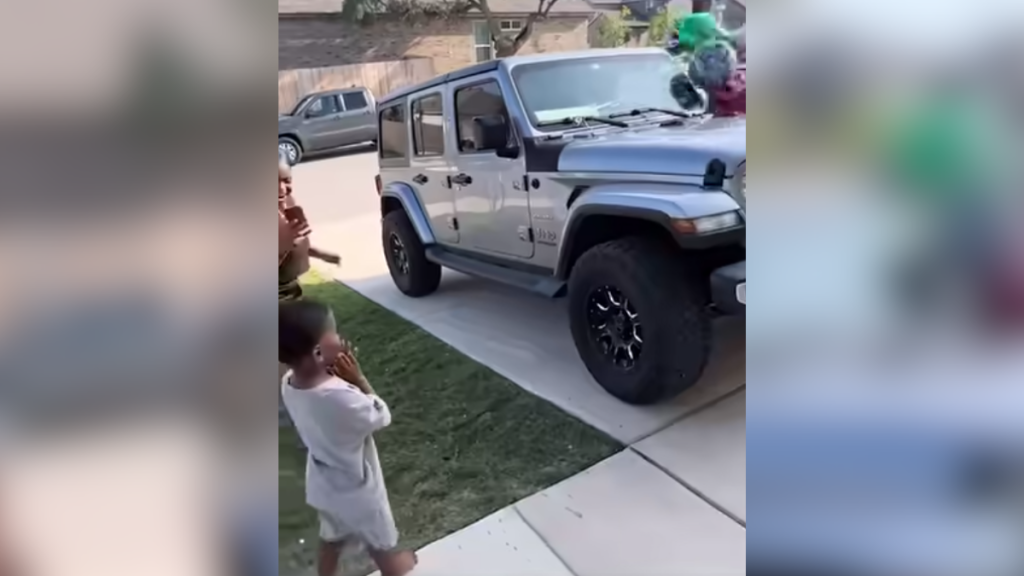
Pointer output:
x,y
336,422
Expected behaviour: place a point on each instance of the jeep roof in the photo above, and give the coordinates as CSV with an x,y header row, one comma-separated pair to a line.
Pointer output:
x,y
510,62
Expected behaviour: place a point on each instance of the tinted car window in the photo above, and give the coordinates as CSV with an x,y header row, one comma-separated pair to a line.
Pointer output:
x,y
474,102
324,106
394,138
428,126
354,100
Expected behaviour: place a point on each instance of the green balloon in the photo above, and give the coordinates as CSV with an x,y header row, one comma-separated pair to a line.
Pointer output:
x,y
698,29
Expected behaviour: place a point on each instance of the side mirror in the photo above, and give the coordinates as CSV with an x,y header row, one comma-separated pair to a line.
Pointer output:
x,y
494,133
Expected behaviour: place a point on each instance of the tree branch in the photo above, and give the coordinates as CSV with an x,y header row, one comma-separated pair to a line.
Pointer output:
x,y
524,33
543,9
492,24
505,44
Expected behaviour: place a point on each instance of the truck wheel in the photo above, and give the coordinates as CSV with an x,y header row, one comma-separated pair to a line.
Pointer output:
x,y
288,148
639,321
407,260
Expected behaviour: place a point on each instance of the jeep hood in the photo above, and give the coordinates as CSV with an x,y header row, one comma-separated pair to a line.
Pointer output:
x,y
683,150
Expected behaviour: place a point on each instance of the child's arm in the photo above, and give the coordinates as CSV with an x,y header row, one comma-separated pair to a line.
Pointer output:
x,y
366,412
372,413
364,385
324,255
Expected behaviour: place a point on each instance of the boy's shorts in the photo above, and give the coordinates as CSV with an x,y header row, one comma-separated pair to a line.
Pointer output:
x,y
380,535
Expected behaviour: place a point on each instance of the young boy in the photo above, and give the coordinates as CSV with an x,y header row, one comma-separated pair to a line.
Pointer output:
x,y
336,412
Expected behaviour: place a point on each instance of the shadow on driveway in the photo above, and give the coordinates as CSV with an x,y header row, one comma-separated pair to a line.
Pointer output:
x,y
314,157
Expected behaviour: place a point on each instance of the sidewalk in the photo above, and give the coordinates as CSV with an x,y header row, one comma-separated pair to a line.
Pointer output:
x,y
626,515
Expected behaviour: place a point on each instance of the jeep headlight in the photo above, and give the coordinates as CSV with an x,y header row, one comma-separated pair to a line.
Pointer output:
x,y
707,224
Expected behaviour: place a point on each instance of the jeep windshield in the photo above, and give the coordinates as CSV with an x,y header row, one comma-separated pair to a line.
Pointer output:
x,y
595,87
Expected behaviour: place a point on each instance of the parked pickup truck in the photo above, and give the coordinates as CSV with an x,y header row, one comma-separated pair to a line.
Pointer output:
x,y
575,175
325,120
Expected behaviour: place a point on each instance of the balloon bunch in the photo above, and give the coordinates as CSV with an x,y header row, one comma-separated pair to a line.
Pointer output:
x,y
712,79
712,56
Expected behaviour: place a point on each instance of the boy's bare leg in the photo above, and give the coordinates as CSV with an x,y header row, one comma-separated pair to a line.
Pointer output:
x,y
328,556
394,562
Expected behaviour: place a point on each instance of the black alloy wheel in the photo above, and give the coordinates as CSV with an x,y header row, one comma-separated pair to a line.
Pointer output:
x,y
615,326
398,254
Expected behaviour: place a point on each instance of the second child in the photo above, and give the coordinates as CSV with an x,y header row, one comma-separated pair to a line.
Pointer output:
x,y
336,412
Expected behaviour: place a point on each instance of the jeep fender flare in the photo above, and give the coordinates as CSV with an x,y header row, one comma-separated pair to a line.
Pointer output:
x,y
410,202
659,204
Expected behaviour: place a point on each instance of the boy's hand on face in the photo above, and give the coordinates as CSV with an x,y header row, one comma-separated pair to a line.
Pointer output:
x,y
347,368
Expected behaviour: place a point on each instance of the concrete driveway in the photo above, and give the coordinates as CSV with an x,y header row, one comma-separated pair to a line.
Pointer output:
x,y
673,503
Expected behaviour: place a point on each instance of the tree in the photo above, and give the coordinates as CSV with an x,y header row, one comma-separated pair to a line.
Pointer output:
x,y
661,24
506,43
614,29
509,43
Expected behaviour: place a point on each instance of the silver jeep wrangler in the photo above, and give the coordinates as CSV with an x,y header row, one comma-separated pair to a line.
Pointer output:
x,y
577,175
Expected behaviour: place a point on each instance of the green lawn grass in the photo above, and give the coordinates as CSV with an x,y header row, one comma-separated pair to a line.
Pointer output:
x,y
464,441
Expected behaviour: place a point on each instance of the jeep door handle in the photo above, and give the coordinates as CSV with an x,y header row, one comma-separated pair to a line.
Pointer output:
x,y
420,179
461,179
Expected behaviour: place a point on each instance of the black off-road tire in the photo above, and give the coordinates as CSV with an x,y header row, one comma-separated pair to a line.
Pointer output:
x,y
423,276
671,303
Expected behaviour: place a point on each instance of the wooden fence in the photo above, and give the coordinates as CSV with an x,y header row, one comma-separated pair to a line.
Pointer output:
x,y
380,77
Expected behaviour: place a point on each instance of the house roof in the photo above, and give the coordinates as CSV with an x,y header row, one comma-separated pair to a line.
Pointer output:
x,y
497,6
528,6
308,6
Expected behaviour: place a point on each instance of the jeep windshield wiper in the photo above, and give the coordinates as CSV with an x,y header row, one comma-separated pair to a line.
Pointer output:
x,y
640,111
582,121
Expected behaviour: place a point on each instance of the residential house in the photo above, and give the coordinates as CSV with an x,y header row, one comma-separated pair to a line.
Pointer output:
x,y
641,10
311,34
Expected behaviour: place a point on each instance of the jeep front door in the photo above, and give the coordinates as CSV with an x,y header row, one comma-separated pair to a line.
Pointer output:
x,y
491,203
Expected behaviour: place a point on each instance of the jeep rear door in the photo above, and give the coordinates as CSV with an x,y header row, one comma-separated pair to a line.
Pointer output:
x,y
491,202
